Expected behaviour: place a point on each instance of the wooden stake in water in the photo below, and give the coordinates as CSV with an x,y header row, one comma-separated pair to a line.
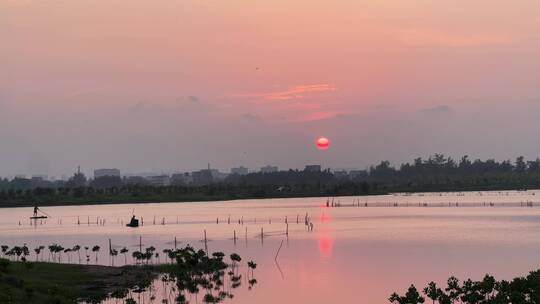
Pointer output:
x,y
234,237
140,243
175,243
205,242
287,230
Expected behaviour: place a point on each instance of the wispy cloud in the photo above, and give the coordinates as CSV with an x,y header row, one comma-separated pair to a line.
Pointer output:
x,y
296,92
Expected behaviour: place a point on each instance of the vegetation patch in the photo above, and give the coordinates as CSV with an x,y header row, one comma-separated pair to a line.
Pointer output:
x,y
521,290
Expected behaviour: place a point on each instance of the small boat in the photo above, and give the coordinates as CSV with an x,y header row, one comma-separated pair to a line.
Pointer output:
x,y
133,223
38,217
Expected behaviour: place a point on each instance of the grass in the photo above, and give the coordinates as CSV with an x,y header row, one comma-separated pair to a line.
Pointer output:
x,y
66,283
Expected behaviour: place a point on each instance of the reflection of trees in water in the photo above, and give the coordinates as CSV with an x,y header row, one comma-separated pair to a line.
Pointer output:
x,y
190,275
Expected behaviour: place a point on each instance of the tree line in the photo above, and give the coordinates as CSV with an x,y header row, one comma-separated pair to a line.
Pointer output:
x,y
436,173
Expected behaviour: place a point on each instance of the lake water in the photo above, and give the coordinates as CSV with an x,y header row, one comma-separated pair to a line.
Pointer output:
x,y
354,253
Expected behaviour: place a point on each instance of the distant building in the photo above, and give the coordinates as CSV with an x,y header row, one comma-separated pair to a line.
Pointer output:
x,y
240,170
159,180
312,168
219,176
181,179
202,177
135,180
106,172
269,169
207,176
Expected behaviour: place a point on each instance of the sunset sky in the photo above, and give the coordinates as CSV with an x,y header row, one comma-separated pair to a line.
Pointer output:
x,y
171,85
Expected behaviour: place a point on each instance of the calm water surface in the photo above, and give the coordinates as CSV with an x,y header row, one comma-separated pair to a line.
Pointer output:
x,y
355,254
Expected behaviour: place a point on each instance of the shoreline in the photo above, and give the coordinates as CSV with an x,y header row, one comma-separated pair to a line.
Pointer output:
x,y
209,198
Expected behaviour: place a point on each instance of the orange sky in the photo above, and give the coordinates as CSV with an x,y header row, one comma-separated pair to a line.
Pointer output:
x,y
85,67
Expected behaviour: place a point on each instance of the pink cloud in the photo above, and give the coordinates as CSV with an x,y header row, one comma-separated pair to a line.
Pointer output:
x,y
314,116
296,92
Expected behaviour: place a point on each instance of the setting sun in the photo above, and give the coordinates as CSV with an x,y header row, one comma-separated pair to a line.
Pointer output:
x,y
323,143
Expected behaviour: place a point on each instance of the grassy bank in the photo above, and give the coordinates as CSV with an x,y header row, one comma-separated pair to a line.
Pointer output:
x,y
65,283
191,271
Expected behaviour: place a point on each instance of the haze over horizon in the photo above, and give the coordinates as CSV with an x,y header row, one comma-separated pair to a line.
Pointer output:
x,y
173,85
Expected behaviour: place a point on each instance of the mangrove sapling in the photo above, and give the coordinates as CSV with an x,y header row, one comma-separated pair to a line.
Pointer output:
x,y
124,251
113,254
68,252
4,249
10,253
37,250
168,254
59,250
252,265
96,250
77,249
41,249
150,254
137,255
235,258
25,252
251,283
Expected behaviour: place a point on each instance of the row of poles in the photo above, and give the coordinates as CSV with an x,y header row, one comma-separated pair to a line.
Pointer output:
x,y
332,204
102,221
